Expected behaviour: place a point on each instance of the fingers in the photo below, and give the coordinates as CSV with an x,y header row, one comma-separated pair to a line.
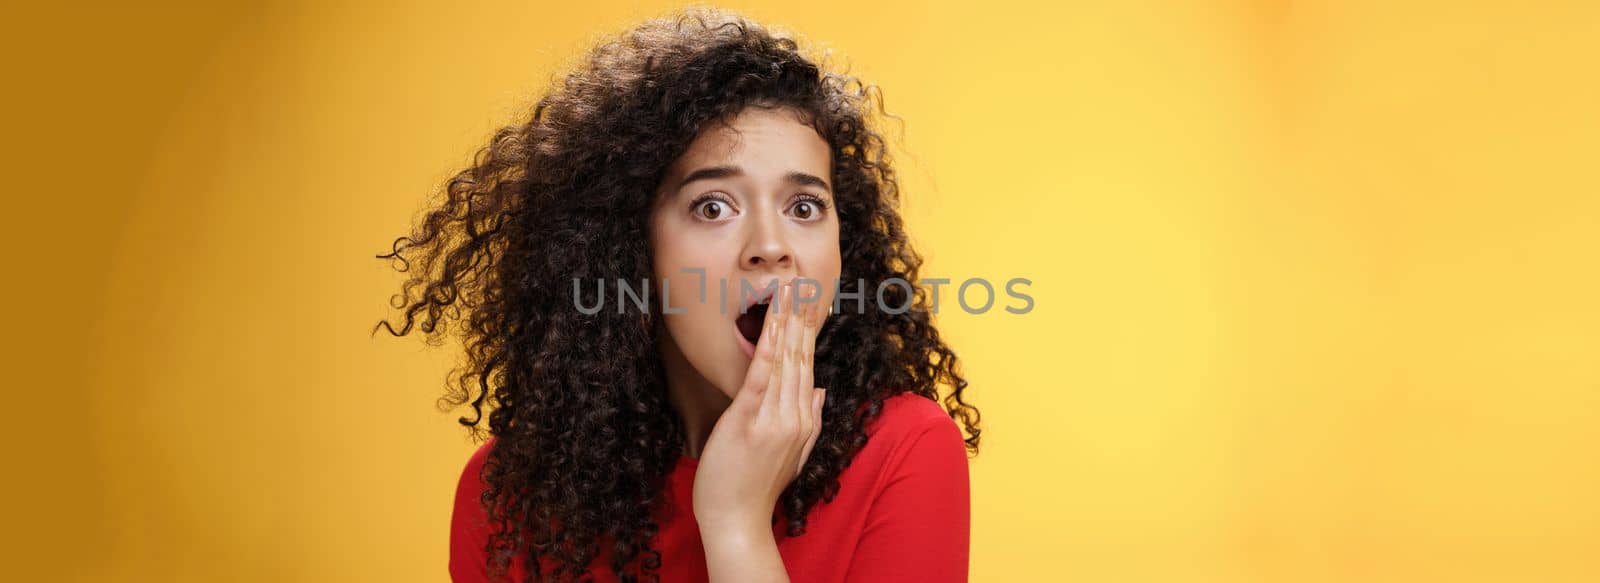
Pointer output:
x,y
811,405
795,403
819,397
813,323
776,317
764,364
789,396
805,346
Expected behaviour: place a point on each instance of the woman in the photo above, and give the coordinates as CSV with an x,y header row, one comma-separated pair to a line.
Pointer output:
x,y
674,431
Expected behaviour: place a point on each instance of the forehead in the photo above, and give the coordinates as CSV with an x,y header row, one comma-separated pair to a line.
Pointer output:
x,y
766,143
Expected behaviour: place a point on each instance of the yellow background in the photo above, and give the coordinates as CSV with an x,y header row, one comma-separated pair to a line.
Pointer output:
x,y
1316,282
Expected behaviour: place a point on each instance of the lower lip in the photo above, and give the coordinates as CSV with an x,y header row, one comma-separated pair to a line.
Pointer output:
x,y
745,345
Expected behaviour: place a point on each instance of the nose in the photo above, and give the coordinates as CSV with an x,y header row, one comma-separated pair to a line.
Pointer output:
x,y
767,247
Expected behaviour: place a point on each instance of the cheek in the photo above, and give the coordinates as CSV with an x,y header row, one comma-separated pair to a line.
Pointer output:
x,y
694,319
820,262
672,254
680,247
822,256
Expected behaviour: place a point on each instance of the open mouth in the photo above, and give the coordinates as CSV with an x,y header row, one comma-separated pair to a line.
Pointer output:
x,y
751,320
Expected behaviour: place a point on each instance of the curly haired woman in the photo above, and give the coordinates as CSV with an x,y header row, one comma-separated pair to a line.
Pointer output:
x,y
699,434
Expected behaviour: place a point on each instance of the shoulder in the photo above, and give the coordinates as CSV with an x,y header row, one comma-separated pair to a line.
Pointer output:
x,y
915,507
469,520
470,486
908,415
469,526
914,430
471,480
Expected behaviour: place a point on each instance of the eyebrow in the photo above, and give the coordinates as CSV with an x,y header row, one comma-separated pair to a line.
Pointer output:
x,y
714,172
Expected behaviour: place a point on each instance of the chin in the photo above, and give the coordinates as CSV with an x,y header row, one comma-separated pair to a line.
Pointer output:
x,y
725,373
732,380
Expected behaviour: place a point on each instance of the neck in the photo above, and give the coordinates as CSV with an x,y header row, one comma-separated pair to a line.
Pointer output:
x,y
698,402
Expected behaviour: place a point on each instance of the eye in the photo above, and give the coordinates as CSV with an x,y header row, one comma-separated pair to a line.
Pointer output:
x,y
809,207
711,207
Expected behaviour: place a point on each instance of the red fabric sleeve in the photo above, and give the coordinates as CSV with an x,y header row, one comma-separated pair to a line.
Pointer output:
x,y
469,529
918,528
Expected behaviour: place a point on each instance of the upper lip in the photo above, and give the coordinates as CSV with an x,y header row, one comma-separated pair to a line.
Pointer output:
x,y
762,294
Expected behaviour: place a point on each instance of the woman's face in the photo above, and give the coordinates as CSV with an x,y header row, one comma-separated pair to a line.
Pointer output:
x,y
746,206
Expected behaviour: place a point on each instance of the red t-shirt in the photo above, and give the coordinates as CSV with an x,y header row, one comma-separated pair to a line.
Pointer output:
x,y
902,513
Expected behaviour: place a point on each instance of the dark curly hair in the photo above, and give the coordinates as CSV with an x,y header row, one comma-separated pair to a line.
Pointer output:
x,y
577,403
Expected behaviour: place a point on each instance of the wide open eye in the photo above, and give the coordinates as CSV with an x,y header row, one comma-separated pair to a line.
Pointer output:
x,y
808,207
711,207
